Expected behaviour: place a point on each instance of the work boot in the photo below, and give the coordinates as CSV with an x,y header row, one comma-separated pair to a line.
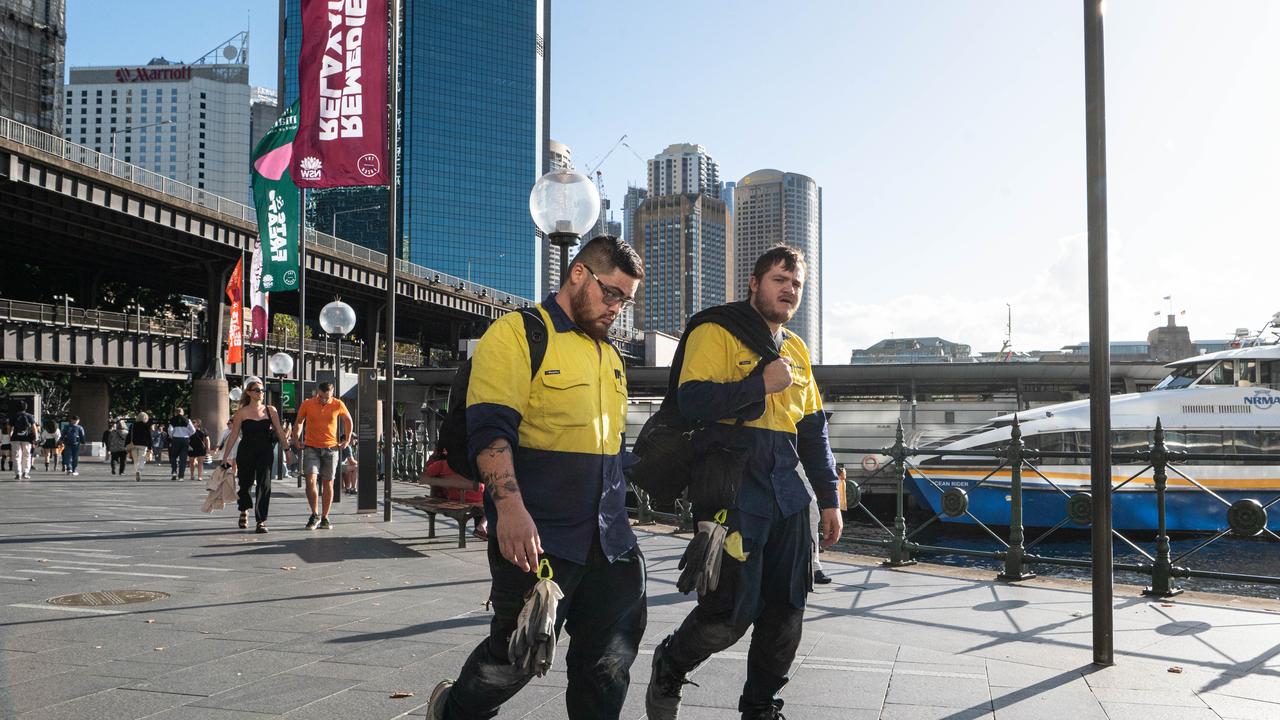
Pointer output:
x,y
662,700
773,712
440,695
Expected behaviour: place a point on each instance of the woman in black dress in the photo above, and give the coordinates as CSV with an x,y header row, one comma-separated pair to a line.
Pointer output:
x,y
199,450
257,427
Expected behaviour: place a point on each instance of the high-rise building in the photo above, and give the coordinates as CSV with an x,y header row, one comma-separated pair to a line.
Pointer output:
x,y
773,207
475,130
264,110
730,267
33,42
683,168
188,122
682,241
630,203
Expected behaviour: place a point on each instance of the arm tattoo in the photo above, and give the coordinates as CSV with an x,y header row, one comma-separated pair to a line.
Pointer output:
x,y
498,447
501,484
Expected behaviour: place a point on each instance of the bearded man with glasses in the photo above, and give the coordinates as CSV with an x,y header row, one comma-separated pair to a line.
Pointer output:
x,y
548,444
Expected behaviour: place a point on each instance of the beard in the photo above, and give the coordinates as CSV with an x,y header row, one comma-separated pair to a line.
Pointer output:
x,y
774,312
596,326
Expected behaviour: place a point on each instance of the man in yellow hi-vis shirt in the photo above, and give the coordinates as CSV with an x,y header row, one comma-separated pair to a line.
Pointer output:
x,y
549,451
773,421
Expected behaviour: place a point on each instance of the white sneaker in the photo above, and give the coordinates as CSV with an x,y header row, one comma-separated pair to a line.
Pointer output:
x,y
76,473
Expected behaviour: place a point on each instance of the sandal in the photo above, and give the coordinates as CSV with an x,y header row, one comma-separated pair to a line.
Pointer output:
x,y
262,529
244,520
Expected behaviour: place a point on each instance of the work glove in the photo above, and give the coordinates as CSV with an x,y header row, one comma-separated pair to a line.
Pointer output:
x,y
700,565
532,647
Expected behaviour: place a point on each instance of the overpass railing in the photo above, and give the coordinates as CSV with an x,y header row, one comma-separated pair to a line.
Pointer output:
x,y
89,318
1161,466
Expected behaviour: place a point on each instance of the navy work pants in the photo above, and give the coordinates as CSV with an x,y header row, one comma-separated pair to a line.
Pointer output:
x,y
178,450
605,613
763,583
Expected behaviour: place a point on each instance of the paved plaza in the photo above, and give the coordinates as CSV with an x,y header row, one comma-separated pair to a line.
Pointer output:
x,y
346,623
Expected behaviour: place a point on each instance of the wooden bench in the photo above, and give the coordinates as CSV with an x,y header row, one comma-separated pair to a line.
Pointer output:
x,y
457,510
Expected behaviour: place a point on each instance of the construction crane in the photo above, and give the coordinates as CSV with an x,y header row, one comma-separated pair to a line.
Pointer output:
x,y
595,172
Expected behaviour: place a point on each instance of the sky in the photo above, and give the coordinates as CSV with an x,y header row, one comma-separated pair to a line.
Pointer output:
x,y
947,135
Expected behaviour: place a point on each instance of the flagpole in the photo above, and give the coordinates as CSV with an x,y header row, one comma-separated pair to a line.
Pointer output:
x,y
393,131
302,297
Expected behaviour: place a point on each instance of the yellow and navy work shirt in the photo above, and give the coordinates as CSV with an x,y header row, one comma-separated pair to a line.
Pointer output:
x,y
780,430
565,427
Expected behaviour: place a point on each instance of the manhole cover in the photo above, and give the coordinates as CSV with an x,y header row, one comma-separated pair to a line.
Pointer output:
x,y
107,597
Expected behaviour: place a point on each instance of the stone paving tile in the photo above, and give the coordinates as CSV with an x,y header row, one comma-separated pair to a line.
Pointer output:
x,y
277,694
358,704
1047,700
911,689
51,690
1127,711
225,673
14,670
189,712
195,652
1229,706
393,653
862,688
893,711
115,703
1165,697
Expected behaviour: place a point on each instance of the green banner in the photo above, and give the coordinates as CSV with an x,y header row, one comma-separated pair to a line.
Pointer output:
x,y
289,396
276,200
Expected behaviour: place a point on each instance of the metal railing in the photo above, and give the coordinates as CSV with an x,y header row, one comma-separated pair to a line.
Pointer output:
x,y
1245,518
89,318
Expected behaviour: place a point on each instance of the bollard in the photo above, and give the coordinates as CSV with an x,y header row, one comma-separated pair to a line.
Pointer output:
x,y
1014,568
644,508
899,554
1162,569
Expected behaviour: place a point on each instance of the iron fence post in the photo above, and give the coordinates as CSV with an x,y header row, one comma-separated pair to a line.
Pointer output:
x,y
899,555
1014,568
1162,569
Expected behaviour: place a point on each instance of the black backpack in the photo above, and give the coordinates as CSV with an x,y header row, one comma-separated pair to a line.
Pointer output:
x,y
22,429
664,447
453,431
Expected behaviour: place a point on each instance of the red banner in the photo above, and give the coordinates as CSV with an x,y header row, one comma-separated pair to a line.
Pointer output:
x,y
342,92
235,333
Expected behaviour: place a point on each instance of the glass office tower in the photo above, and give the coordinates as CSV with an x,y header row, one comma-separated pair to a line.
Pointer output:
x,y
474,128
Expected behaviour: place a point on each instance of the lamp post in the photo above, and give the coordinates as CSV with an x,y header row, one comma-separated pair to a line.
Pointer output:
x,y
337,319
66,307
136,309
280,364
333,227
114,133
564,205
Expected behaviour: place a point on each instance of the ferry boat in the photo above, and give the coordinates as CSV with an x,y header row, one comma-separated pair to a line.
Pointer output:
x,y
1225,402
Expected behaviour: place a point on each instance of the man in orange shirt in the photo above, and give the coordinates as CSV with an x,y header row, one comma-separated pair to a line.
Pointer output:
x,y
320,415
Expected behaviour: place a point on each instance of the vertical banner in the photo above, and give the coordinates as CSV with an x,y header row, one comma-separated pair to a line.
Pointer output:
x,y
342,95
257,297
276,200
235,333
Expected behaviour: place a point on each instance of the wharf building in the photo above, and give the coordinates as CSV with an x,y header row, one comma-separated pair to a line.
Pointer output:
x,y
772,207
188,122
33,42
475,132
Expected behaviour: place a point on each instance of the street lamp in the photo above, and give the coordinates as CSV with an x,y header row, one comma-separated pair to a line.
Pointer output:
x,y
333,228
66,307
235,394
136,309
280,364
337,319
114,133
564,205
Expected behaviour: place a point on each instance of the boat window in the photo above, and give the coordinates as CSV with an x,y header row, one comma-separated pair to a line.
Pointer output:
x,y
1057,442
1202,441
1224,373
1268,374
1129,441
1182,377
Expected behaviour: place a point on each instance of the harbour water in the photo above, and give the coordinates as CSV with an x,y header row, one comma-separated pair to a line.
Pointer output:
x,y
1253,556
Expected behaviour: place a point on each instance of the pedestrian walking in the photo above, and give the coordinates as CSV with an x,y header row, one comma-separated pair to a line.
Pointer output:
x,y
117,443
317,423
50,436
159,440
180,432
22,438
222,446
72,439
256,428
549,451
199,450
140,441
6,446
772,421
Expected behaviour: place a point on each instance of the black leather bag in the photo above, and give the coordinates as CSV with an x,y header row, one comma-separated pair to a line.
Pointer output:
x,y
717,474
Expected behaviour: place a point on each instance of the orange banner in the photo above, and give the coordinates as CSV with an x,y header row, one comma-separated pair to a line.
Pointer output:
x,y
235,333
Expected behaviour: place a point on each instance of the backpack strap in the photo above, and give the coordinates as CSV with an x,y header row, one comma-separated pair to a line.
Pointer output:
x,y
535,333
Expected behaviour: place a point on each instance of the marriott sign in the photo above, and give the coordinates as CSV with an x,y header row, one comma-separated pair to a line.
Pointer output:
x,y
153,74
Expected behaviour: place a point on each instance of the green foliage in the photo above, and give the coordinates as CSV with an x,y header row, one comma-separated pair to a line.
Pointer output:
x,y
128,395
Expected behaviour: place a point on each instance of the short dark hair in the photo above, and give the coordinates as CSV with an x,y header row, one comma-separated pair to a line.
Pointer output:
x,y
791,259
325,386
74,418
22,405
606,253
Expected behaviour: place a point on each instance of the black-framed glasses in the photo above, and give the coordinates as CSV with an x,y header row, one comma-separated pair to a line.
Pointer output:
x,y
611,295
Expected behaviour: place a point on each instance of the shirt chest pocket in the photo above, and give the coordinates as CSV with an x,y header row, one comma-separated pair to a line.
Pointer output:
x,y
568,398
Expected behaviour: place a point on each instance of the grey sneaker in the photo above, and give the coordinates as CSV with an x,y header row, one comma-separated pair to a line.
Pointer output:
x,y
662,700
312,522
435,705
324,524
